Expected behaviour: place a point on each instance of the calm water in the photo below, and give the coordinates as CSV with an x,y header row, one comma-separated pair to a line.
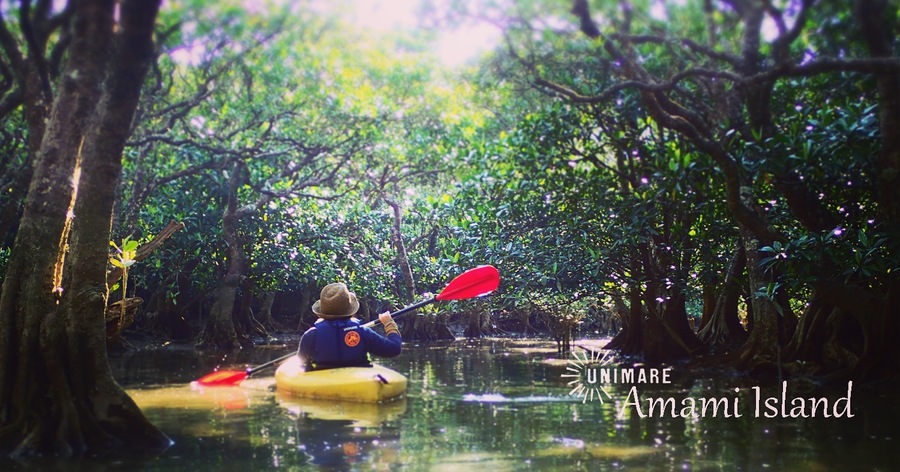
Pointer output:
x,y
482,405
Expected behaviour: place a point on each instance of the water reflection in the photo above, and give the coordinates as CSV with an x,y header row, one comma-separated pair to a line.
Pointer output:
x,y
360,414
488,404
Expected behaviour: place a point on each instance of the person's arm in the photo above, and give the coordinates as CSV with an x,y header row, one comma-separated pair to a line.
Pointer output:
x,y
307,346
385,346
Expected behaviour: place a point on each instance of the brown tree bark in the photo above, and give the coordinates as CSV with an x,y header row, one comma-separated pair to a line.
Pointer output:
x,y
667,335
52,332
763,346
409,285
723,331
478,323
414,327
630,340
221,330
308,295
267,318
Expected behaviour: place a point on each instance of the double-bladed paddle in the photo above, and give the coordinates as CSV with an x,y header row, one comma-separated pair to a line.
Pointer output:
x,y
472,283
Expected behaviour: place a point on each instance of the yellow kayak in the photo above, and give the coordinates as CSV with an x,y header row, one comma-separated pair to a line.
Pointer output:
x,y
359,384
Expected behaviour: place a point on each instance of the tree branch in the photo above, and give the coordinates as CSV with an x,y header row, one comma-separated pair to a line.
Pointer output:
x,y
36,48
144,251
10,46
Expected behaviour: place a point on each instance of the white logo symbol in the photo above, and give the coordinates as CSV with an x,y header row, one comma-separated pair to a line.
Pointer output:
x,y
582,369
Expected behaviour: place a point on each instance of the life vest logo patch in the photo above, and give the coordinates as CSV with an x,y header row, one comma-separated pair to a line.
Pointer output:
x,y
351,339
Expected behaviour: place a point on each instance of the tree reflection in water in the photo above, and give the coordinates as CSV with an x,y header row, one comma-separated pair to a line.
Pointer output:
x,y
487,404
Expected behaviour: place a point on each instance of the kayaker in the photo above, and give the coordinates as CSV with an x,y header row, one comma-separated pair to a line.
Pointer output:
x,y
337,339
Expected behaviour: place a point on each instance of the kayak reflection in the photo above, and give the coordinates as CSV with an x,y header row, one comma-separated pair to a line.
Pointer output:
x,y
358,413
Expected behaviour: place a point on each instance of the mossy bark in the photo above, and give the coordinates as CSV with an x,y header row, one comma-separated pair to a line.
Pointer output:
x,y
57,392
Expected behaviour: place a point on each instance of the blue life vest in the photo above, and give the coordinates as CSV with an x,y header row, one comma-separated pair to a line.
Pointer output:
x,y
340,343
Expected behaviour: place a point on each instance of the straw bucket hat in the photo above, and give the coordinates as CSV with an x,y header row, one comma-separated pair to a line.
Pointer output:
x,y
336,301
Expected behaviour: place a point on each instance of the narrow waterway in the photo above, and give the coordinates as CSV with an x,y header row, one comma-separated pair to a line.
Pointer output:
x,y
490,404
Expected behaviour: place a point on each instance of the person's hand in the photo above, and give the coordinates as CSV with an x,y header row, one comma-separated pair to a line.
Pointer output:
x,y
390,326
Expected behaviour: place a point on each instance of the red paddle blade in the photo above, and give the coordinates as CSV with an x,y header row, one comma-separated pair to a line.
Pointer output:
x,y
475,282
223,378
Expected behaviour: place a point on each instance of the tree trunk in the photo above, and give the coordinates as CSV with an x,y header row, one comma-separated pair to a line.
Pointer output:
x,y
630,340
415,328
524,318
761,353
667,336
37,106
709,298
166,315
810,331
221,330
723,331
438,330
478,324
880,38
303,308
676,318
245,317
882,351
849,333
52,332
402,258
265,314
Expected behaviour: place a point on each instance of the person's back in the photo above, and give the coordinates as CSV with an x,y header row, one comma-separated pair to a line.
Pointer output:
x,y
339,340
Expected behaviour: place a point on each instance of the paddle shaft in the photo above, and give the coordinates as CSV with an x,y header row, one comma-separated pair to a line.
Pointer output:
x,y
260,367
404,310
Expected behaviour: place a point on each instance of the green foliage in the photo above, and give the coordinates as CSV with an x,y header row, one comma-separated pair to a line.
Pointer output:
x,y
323,122
569,199
124,256
570,194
